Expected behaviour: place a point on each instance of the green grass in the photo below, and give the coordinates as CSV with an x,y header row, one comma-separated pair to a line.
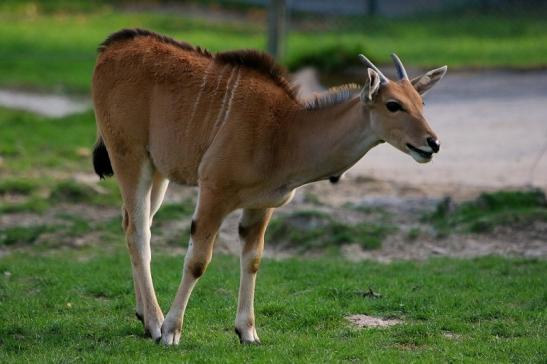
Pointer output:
x,y
41,155
459,41
62,230
33,205
31,143
174,211
311,229
40,52
517,208
59,309
21,234
16,186
55,49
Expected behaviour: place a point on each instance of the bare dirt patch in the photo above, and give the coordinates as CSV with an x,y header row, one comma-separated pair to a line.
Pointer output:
x,y
364,321
49,105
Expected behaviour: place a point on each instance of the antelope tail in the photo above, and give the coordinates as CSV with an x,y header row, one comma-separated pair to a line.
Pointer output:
x,y
101,160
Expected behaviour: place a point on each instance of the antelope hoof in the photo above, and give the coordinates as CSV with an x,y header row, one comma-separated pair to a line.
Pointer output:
x,y
248,336
153,331
170,333
152,326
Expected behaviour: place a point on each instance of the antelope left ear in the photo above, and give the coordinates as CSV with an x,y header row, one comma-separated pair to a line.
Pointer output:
x,y
425,82
372,85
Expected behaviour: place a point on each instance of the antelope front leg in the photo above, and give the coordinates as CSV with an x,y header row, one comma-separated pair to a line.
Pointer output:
x,y
203,232
251,231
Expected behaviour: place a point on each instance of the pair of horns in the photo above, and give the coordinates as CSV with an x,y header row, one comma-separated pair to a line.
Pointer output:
x,y
398,66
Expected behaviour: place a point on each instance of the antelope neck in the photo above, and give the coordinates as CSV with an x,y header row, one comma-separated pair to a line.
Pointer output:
x,y
328,141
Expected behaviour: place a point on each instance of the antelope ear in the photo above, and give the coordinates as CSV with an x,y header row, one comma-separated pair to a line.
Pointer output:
x,y
423,83
371,88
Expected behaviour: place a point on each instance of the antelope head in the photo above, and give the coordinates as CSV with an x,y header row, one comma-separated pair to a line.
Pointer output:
x,y
396,109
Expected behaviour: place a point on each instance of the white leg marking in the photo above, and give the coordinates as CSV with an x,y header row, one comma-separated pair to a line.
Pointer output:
x,y
156,196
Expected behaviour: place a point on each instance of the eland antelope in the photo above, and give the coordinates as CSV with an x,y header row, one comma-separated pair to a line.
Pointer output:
x,y
231,124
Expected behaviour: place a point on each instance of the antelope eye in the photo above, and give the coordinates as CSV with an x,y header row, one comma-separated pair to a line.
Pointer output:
x,y
394,106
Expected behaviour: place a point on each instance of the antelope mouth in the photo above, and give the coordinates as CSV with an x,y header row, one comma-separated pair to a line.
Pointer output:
x,y
419,154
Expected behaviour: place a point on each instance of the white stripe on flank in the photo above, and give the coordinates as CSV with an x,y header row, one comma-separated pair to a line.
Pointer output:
x,y
212,96
200,92
225,98
233,91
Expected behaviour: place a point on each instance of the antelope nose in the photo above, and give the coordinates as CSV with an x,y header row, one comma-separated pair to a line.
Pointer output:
x,y
434,144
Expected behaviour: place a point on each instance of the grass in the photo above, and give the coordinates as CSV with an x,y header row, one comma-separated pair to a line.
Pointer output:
x,y
21,234
39,52
490,210
31,143
62,230
16,186
60,308
429,41
40,156
311,229
175,211
70,191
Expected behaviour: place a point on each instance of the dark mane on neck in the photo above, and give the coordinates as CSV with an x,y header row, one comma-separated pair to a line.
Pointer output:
x,y
260,62
333,96
128,34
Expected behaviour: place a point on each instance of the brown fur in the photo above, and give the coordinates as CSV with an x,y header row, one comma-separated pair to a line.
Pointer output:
x,y
169,77
254,265
250,58
197,269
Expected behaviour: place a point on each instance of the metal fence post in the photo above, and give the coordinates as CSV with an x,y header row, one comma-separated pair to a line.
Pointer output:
x,y
372,7
277,18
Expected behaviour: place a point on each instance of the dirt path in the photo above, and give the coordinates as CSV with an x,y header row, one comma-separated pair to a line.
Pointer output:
x,y
48,105
492,126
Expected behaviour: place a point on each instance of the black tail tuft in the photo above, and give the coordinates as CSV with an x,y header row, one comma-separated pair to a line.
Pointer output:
x,y
101,160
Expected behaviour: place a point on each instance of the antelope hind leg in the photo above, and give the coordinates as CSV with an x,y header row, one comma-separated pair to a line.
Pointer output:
x,y
135,183
159,187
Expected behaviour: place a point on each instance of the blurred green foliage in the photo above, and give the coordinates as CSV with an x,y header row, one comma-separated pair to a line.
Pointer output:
x,y
313,229
52,45
489,210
